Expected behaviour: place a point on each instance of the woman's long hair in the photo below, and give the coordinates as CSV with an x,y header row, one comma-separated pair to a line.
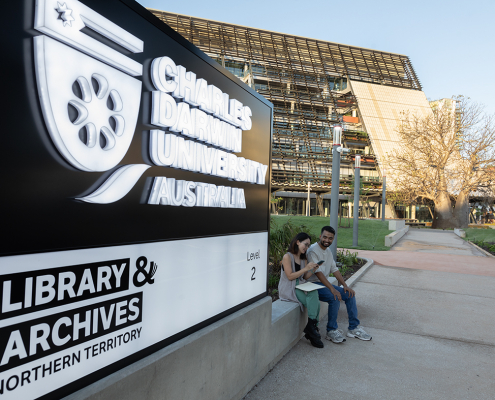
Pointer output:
x,y
293,244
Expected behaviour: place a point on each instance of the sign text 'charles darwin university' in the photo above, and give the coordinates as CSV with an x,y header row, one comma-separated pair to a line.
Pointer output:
x,y
215,121
201,127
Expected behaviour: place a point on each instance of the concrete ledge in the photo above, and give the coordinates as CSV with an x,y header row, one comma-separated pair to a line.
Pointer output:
x,y
280,309
222,361
358,275
460,232
394,237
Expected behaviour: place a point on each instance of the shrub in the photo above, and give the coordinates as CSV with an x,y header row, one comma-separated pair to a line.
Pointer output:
x,y
273,280
280,238
346,258
490,247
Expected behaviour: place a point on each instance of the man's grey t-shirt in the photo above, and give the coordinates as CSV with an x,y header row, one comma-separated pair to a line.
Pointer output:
x,y
316,253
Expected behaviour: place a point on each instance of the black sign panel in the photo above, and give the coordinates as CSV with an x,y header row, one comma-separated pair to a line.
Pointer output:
x,y
41,188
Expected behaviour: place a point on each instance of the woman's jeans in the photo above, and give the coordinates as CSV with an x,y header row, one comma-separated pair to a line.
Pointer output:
x,y
333,306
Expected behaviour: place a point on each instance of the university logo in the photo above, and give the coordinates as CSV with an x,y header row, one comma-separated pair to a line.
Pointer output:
x,y
88,94
90,99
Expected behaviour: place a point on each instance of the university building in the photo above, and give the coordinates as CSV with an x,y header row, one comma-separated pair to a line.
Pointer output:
x,y
314,85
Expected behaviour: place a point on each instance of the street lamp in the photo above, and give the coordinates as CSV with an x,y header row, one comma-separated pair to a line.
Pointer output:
x,y
334,194
357,176
384,191
308,202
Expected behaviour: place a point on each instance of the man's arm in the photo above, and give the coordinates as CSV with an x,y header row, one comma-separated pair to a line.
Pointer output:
x,y
311,256
346,288
324,280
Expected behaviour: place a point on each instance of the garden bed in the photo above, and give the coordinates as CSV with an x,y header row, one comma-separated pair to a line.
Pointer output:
x,y
487,246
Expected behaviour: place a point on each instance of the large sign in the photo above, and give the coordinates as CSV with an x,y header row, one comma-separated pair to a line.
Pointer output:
x,y
135,176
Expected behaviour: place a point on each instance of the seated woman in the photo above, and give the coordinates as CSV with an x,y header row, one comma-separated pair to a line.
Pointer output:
x,y
295,270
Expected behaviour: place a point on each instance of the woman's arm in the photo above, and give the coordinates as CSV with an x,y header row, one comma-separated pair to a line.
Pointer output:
x,y
312,271
286,264
309,258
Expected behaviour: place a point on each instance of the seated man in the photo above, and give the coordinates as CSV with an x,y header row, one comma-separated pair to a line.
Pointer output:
x,y
334,294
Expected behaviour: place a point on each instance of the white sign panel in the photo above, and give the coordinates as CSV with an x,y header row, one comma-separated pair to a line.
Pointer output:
x,y
65,315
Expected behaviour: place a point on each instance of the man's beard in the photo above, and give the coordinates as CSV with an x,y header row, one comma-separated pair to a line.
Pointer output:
x,y
325,244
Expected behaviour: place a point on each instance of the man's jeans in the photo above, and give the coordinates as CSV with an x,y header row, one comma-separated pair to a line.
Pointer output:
x,y
333,306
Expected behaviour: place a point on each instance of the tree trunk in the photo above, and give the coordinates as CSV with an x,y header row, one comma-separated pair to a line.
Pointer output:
x,y
473,217
461,210
319,204
443,216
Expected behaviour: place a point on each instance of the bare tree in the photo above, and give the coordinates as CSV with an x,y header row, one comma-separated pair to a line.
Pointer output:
x,y
473,168
444,157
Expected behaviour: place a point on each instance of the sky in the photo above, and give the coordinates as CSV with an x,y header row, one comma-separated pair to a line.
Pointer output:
x,y
451,44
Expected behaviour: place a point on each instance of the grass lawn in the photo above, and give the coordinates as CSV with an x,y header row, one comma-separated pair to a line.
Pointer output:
x,y
371,232
480,235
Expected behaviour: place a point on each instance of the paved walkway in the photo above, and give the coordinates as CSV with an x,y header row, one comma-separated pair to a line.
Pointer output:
x,y
434,251
432,327
435,241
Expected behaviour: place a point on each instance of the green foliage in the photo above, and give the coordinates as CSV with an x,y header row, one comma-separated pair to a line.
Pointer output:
x,y
280,238
484,238
346,258
276,201
273,279
490,247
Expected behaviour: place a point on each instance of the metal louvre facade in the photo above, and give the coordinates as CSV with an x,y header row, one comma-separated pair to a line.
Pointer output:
x,y
307,80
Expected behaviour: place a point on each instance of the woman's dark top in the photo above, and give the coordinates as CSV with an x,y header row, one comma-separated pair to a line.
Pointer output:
x,y
298,266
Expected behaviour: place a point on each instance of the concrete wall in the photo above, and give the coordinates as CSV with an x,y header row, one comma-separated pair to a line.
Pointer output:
x,y
460,232
394,237
222,361
396,224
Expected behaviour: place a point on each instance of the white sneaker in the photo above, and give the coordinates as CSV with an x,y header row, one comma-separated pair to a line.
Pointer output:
x,y
359,333
335,336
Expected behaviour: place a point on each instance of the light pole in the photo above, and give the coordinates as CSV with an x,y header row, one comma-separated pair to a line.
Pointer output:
x,y
308,209
357,176
334,194
384,192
